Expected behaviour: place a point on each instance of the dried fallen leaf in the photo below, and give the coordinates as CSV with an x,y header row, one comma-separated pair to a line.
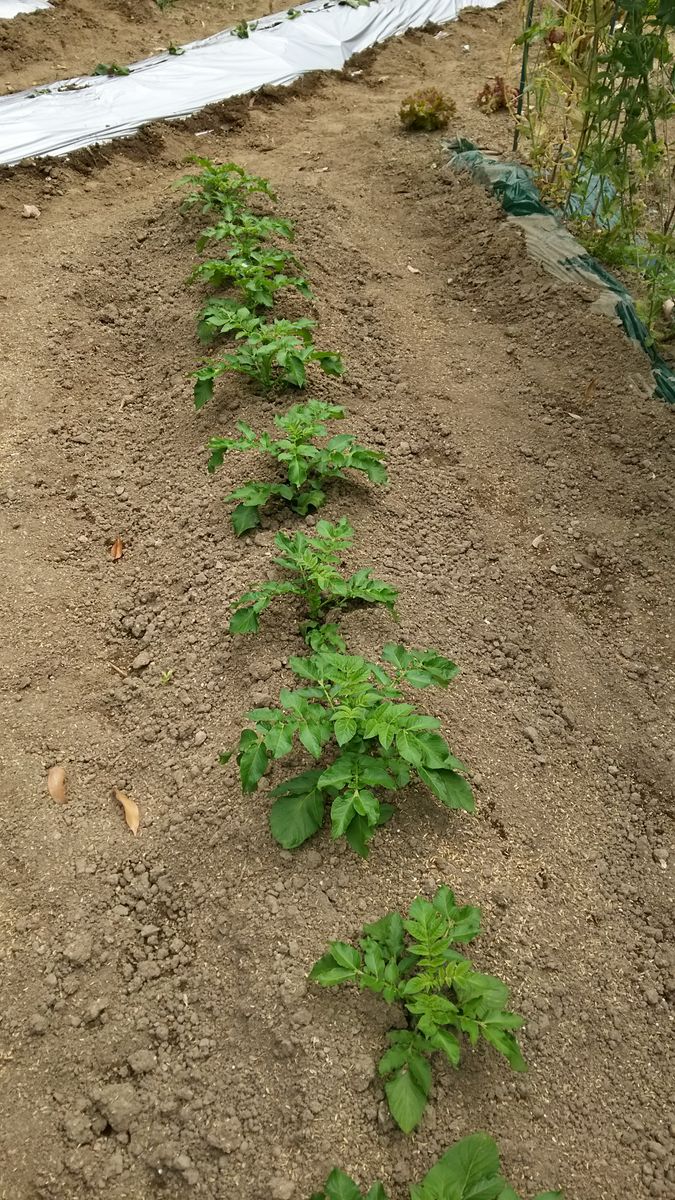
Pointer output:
x,y
56,784
536,542
30,210
131,814
117,549
414,270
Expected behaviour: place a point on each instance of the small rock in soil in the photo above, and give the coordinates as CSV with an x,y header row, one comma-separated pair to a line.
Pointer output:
x,y
93,1012
119,1105
281,1189
141,660
78,951
142,1061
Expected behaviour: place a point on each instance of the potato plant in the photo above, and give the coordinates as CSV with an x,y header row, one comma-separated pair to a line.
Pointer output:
x,y
413,962
221,189
258,273
274,355
247,229
469,1170
356,711
314,561
308,468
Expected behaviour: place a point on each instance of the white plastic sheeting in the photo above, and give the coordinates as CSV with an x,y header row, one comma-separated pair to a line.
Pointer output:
x,y
80,112
12,8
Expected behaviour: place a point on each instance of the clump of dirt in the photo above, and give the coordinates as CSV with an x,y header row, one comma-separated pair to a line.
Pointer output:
x,y
161,1037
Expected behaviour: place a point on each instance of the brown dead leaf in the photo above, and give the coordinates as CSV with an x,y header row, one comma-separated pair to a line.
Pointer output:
x,y
117,549
131,814
414,270
56,784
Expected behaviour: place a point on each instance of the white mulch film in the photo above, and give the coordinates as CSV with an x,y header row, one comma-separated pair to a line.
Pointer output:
x,y
96,109
12,8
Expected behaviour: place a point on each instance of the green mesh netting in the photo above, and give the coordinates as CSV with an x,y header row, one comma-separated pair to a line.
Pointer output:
x,y
555,246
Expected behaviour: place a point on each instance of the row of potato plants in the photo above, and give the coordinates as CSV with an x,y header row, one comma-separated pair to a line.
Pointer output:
x,y
351,715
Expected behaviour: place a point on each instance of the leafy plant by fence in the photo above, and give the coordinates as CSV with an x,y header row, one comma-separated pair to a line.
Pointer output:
x,y
598,98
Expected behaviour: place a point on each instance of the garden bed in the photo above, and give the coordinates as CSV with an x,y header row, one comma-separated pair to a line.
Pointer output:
x,y
527,526
74,35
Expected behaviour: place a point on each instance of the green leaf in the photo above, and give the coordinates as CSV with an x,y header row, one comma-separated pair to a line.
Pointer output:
x,y
358,834
245,517
469,1170
338,773
410,748
298,810
505,1042
244,620
331,976
432,1010
341,813
452,789
449,1044
203,391
344,728
388,932
406,1099
346,955
339,1186
376,1192
465,921
367,805
421,668
252,765
279,739
373,772
294,370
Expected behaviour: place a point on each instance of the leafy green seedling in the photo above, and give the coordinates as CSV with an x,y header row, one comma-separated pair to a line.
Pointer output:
x,y
274,355
223,189
258,273
112,68
175,50
308,468
314,561
357,710
469,1170
248,230
412,962
244,29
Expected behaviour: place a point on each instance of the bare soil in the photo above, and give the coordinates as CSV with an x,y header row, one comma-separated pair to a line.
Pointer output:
x,y
157,1034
